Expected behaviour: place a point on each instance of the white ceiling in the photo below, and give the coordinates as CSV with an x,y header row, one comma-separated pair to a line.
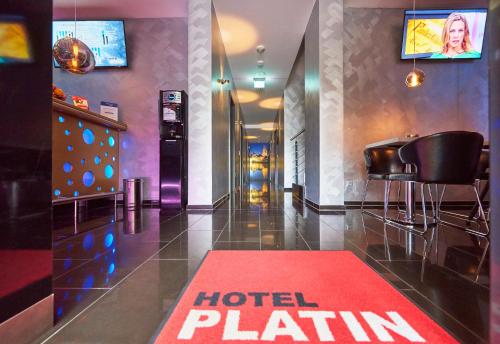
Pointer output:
x,y
98,9
277,24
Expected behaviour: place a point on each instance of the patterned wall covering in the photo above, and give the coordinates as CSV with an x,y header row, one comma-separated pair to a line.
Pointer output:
x,y
379,106
324,104
311,105
157,53
494,27
331,117
200,105
294,120
85,157
220,114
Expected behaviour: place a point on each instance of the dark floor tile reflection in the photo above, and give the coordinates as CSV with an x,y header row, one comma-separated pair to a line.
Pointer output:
x,y
133,269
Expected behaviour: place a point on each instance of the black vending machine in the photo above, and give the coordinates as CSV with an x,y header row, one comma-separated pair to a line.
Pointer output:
x,y
173,149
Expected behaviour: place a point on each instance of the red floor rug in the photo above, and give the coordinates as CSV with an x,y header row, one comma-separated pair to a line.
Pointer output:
x,y
294,296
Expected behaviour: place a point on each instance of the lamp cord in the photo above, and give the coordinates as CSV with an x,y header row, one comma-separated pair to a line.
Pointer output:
x,y
75,19
414,37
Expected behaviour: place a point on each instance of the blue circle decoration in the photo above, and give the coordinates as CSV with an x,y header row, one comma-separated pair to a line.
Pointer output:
x,y
76,193
112,189
107,131
97,159
108,240
80,124
88,178
99,188
70,182
88,241
70,148
67,263
57,192
88,136
67,167
59,312
111,268
61,119
114,158
111,141
106,154
82,161
67,132
88,282
101,144
108,171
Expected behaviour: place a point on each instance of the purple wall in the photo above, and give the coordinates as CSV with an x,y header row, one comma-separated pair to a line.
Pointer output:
x,y
157,52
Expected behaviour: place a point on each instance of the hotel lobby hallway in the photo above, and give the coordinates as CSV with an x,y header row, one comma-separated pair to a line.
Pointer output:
x,y
117,282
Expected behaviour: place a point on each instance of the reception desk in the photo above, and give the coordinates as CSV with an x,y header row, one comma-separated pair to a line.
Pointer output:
x,y
85,153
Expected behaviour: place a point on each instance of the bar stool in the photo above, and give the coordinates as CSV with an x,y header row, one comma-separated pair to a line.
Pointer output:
x,y
383,164
449,158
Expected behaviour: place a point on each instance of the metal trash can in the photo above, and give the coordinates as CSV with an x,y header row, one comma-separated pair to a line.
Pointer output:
x,y
133,189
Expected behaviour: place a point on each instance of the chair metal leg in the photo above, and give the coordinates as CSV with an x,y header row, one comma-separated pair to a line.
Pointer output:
x,y
365,194
399,197
386,197
434,216
481,211
422,193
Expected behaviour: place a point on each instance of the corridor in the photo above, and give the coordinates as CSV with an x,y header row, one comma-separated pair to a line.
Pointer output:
x,y
116,283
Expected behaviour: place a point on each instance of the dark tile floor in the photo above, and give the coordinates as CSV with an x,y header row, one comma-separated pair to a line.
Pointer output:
x,y
116,280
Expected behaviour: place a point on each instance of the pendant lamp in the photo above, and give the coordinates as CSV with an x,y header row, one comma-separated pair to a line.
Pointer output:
x,y
73,55
417,76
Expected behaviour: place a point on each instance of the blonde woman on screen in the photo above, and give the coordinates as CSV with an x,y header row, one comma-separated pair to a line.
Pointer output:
x,y
456,39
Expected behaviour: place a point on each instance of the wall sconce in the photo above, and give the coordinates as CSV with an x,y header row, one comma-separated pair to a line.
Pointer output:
x,y
223,81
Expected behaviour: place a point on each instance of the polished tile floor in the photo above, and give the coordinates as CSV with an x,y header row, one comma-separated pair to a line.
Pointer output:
x,y
115,281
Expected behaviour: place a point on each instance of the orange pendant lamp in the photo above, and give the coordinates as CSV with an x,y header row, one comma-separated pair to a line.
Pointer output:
x,y
73,55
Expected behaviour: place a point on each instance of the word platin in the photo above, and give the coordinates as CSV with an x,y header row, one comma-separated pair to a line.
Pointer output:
x,y
291,324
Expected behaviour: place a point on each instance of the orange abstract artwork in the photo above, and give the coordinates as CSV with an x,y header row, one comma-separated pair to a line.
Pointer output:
x,y
14,43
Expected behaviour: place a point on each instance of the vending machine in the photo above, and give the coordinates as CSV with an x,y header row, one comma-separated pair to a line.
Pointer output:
x,y
173,149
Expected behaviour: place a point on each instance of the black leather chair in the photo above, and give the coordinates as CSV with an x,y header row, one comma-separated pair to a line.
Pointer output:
x,y
383,164
449,158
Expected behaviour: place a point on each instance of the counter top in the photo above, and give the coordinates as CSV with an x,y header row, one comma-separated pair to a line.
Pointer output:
x,y
63,107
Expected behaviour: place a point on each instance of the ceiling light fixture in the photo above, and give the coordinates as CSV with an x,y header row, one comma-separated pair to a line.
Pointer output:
x,y
417,76
73,55
259,79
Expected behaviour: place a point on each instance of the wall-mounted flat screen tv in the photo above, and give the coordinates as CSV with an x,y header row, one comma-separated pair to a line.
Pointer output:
x,y
105,38
444,34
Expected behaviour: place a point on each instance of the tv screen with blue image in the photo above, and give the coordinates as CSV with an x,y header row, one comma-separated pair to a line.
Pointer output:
x,y
106,39
444,34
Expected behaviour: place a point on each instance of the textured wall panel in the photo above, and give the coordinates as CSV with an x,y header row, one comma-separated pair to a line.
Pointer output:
x,y
221,107
311,104
379,106
157,52
294,114
200,103
331,14
494,29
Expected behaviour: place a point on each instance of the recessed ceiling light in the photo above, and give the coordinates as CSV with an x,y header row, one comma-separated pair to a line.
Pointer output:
x,y
267,126
271,103
245,97
238,34
250,137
